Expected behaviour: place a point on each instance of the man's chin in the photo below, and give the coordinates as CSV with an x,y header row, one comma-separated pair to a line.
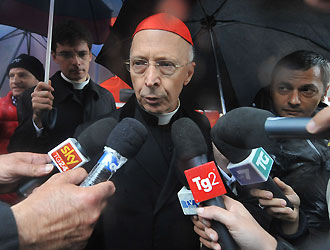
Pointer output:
x,y
293,114
152,110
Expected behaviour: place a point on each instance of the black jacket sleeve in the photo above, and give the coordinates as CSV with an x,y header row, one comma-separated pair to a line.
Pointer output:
x,y
8,228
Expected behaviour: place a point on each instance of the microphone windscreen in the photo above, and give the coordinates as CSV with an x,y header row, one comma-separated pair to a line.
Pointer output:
x,y
233,154
127,137
187,139
94,137
242,128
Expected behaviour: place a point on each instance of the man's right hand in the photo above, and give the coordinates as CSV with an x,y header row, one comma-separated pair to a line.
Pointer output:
x,y
244,229
59,214
42,99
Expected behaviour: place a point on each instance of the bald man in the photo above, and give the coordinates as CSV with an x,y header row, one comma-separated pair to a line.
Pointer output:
x,y
145,212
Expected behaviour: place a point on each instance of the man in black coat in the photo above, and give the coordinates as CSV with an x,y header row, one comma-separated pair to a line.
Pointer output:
x,y
299,84
145,212
70,91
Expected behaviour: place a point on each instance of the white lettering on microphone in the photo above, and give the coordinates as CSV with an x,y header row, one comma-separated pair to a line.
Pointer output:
x,y
262,160
205,184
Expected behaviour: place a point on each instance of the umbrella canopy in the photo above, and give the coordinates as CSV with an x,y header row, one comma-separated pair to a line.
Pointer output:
x,y
236,42
33,15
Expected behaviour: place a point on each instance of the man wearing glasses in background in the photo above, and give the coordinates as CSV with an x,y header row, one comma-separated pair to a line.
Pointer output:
x,y
145,212
71,91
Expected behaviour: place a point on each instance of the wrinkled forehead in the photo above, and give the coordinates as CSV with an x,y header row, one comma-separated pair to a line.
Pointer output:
x,y
18,70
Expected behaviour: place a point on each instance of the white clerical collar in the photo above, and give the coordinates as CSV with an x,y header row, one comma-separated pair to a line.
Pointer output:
x,y
76,85
164,119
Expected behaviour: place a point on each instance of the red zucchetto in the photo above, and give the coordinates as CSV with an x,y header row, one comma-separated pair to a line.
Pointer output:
x,y
167,22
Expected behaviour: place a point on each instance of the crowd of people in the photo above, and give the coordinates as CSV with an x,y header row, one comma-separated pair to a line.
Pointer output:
x,y
139,208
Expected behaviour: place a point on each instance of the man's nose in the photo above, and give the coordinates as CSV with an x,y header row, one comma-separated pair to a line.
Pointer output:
x,y
151,76
76,59
14,79
294,98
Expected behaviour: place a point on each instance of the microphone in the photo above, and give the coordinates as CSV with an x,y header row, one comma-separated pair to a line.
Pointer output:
x,y
74,153
274,127
202,176
291,127
123,143
241,138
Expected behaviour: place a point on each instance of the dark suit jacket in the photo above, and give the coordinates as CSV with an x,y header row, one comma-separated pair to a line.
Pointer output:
x,y
145,212
8,229
94,102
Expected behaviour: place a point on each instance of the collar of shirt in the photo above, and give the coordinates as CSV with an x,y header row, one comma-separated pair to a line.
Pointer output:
x,y
164,119
76,85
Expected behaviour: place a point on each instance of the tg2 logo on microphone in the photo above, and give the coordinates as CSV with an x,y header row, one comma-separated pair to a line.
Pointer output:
x,y
205,182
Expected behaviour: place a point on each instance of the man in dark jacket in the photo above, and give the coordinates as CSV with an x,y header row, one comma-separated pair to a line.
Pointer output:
x,y
70,92
146,213
299,84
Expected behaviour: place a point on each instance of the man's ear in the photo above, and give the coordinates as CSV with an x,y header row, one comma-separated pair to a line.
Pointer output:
x,y
326,90
325,93
53,55
190,73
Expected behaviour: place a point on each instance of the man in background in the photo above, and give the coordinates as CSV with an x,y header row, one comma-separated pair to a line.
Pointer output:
x,y
24,72
298,85
70,98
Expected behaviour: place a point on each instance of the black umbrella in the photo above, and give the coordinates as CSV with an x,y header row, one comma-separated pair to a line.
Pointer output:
x,y
237,42
32,15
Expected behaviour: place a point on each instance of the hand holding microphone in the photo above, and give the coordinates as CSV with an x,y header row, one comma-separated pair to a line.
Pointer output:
x,y
123,143
242,143
73,153
248,234
283,127
277,209
320,122
202,176
60,214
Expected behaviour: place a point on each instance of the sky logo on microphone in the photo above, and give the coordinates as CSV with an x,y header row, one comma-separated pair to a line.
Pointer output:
x,y
66,156
254,169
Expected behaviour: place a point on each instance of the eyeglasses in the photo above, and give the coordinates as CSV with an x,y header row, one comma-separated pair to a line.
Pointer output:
x,y
165,67
70,54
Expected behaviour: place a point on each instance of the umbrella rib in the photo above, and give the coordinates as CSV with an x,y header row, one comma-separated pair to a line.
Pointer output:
x,y
219,8
10,35
37,40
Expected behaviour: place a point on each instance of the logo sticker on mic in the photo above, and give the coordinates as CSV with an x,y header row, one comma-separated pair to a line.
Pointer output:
x,y
205,182
254,169
66,156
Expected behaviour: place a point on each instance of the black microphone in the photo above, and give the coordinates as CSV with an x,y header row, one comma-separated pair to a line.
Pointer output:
x,y
274,127
191,151
89,143
291,127
123,143
241,138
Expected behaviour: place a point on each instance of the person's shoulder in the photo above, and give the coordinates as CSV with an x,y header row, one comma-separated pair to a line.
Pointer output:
x,y
99,89
56,76
6,99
